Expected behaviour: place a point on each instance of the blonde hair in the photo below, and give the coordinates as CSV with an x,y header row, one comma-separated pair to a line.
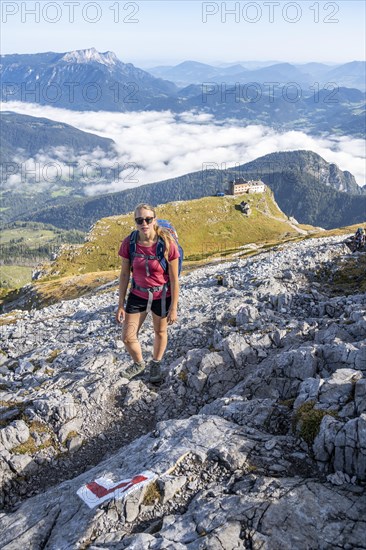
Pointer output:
x,y
160,231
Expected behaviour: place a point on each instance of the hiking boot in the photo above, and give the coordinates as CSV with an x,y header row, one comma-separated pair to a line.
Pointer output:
x,y
155,372
134,370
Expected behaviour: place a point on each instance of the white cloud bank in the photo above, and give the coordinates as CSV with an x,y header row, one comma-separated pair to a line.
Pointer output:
x,y
153,146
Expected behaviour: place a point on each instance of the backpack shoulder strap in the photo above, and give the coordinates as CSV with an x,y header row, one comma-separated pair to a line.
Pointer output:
x,y
133,243
160,249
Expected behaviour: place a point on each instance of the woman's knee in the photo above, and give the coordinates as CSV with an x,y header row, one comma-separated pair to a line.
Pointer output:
x,y
127,340
129,334
161,333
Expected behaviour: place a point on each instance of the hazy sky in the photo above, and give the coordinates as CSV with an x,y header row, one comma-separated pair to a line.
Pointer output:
x,y
151,32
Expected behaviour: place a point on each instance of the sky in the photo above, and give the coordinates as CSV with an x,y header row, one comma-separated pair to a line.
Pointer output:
x,y
149,33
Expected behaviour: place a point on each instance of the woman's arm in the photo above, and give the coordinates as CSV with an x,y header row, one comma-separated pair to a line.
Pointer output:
x,y
174,290
124,279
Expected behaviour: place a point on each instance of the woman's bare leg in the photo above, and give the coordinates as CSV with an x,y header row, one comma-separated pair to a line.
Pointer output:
x,y
161,336
130,329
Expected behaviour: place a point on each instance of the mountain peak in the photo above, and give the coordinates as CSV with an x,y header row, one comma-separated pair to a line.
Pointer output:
x,y
90,55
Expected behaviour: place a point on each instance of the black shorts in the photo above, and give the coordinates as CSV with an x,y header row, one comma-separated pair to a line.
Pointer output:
x,y
135,304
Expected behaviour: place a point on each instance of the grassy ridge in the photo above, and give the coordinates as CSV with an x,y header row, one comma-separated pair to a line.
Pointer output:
x,y
207,226
210,227
25,245
14,276
23,234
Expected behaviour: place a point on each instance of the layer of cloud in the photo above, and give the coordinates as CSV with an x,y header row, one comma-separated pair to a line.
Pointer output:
x,y
154,146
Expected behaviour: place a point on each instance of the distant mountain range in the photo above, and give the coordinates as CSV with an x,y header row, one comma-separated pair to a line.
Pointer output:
x,y
338,111
304,184
315,98
347,75
82,80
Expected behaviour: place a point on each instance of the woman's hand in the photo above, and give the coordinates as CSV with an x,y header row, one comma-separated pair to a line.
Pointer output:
x,y
172,315
120,314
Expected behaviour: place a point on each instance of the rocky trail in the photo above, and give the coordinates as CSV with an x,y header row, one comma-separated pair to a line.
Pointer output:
x,y
256,439
290,221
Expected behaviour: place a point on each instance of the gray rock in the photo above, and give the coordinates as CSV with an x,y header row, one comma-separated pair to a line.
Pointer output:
x,y
25,367
360,360
13,435
324,442
70,521
339,355
360,396
75,443
297,364
308,391
242,411
7,415
170,485
22,463
132,505
246,314
73,425
238,349
350,448
56,407
338,389
297,519
242,356
340,478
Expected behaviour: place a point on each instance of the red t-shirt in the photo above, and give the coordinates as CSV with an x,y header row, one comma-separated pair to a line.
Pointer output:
x,y
158,276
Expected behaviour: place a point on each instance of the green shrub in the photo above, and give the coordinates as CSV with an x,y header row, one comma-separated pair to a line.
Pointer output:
x,y
308,420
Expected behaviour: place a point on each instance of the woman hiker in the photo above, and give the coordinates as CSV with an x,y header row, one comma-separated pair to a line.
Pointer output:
x,y
152,289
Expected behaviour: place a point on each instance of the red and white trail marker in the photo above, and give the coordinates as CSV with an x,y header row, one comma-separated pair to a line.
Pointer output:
x,y
103,488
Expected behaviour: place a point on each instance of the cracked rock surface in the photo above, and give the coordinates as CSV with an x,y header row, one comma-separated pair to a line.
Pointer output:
x,y
257,435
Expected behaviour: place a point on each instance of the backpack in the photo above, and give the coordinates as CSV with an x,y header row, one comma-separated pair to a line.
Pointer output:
x,y
160,248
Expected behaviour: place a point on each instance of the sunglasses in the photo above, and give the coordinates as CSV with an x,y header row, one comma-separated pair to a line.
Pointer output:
x,y
140,221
